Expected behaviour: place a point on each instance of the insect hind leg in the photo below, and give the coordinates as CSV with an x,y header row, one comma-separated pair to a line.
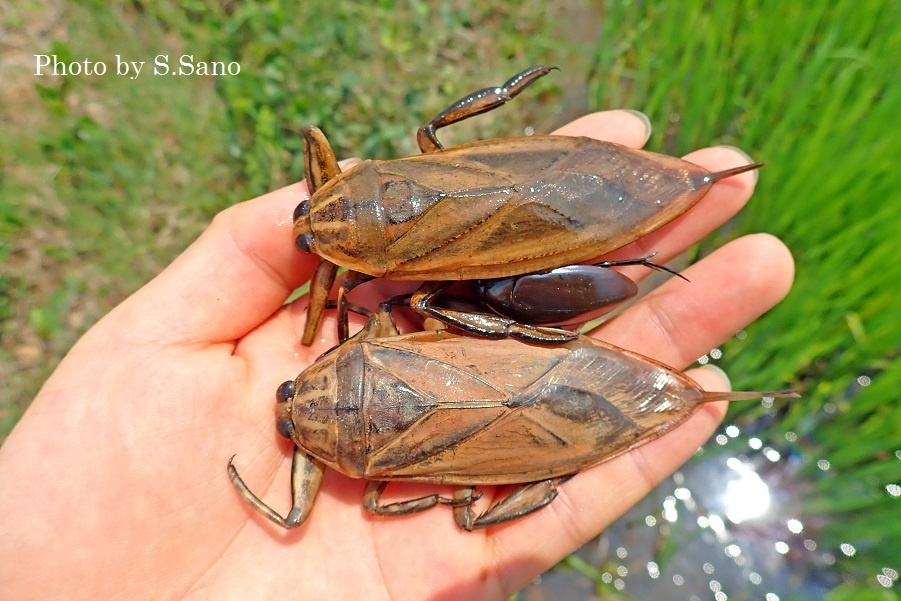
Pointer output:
x,y
475,103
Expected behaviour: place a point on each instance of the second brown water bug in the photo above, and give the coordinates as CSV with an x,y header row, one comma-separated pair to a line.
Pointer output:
x,y
442,408
487,209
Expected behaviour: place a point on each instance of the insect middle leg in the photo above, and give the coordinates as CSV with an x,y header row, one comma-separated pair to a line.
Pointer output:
x,y
522,501
483,324
373,494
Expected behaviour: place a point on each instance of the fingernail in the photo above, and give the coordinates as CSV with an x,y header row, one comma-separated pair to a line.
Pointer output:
x,y
349,163
748,157
721,373
645,120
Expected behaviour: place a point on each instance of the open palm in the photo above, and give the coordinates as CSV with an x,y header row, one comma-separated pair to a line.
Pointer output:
x,y
115,485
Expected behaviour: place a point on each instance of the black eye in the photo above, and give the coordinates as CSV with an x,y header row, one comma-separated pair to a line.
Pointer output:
x,y
302,209
285,392
285,428
303,242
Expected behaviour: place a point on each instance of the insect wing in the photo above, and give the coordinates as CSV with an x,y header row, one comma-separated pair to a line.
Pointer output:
x,y
429,391
490,201
509,412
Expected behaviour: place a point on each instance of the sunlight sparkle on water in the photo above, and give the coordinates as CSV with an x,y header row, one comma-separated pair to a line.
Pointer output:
x,y
669,509
772,454
717,525
746,497
887,578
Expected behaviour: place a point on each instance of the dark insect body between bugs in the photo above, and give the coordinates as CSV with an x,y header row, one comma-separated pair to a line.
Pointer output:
x,y
567,296
487,209
442,408
561,296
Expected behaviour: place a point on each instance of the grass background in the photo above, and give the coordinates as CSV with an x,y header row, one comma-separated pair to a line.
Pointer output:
x,y
105,179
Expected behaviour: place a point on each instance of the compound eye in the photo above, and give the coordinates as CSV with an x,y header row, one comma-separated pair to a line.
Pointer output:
x,y
285,392
302,210
285,428
303,242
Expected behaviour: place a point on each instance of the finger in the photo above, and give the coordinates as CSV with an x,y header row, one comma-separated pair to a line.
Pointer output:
x,y
724,200
630,128
680,321
674,325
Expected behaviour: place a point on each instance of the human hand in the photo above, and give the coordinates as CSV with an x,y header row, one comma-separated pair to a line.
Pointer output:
x,y
114,481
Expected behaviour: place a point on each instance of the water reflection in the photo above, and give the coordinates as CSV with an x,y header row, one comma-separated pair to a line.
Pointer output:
x,y
729,523
735,522
746,495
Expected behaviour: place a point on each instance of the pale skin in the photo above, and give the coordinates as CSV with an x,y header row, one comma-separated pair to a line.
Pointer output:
x,y
114,482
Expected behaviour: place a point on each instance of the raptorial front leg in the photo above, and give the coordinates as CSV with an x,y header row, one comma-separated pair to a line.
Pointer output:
x,y
321,166
475,103
522,501
373,494
306,475
319,160
320,288
483,324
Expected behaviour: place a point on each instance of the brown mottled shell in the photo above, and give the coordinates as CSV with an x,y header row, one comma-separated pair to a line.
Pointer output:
x,y
438,407
498,207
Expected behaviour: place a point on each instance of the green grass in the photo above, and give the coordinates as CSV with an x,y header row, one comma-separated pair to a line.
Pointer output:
x,y
104,180
812,90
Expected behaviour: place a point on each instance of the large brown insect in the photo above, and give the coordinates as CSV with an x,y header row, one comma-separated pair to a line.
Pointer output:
x,y
449,409
487,209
